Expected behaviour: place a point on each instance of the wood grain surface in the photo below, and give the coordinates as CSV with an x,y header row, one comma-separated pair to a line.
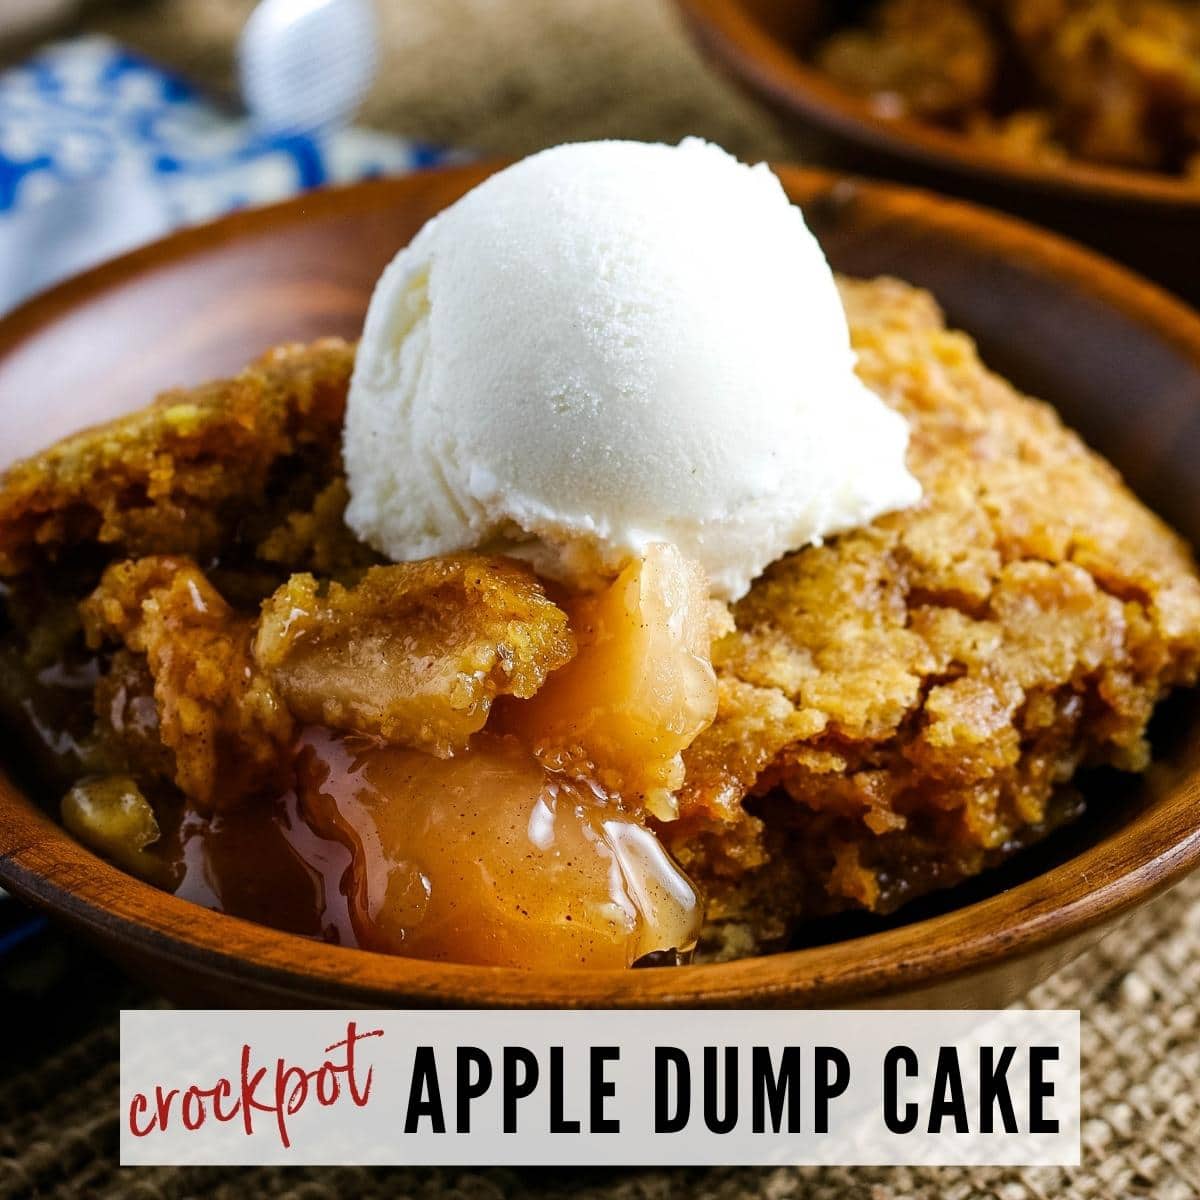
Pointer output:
x,y
1118,356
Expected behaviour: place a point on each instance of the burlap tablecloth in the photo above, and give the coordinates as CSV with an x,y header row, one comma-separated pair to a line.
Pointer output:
x,y
510,76
1141,1098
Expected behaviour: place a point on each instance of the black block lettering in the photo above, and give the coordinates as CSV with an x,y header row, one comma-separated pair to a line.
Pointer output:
x,y
898,1058
602,1089
558,1123
1040,1089
469,1089
993,1089
670,1060
948,1099
831,1071
424,1093
520,1078
771,1089
716,1120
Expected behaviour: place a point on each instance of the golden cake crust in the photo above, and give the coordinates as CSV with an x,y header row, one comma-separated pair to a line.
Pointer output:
x,y
914,693
173,478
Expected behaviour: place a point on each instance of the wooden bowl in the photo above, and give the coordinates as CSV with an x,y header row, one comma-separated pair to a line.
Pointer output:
x,y
1146,219
1121,359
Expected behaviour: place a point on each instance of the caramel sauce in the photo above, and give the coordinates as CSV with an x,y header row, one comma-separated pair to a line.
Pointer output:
x,y
266,863
487,858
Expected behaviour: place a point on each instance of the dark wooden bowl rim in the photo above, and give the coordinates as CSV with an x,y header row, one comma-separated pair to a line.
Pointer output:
x,y
1155,848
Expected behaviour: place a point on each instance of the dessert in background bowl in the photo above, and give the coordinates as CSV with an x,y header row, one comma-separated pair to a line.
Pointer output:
x,y
512,749
1078,114
1113,82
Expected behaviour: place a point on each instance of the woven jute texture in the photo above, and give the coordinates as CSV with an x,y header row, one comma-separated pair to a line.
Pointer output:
x,y
510,76
1137,992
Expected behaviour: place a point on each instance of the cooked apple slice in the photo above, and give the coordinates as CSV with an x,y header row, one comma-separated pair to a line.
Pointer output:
x,y
109,814
489,858
641,686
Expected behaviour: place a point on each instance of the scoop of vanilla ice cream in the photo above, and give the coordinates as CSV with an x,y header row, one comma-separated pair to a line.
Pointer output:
x,y
611,344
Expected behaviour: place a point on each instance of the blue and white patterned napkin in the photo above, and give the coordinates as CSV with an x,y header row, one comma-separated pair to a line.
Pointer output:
x,y
101,151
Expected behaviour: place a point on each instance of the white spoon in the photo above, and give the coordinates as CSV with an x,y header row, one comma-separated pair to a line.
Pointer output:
x,y
307,64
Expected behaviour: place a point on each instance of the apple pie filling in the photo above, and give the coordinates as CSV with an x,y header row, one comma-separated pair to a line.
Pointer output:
x,y
385,761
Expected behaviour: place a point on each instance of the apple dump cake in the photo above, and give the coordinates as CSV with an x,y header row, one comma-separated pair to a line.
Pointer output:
x,y
508,748
1115,82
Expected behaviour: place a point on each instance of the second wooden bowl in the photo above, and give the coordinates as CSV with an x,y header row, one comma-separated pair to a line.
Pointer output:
x,y
1150,221
1120,359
